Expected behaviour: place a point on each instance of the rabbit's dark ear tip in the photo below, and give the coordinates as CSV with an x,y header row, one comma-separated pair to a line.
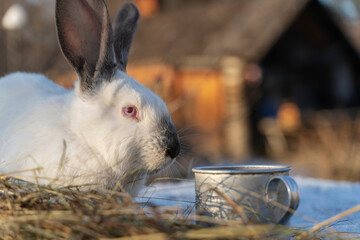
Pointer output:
x,y
130,8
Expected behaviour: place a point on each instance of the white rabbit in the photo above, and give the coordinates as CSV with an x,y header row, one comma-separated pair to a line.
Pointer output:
x,y
109,129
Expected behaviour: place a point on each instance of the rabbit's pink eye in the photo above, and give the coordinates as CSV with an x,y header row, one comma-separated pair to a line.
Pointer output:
x,y
131,112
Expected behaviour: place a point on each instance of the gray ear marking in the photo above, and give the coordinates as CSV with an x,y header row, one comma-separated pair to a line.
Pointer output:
x,y
124,30
85,36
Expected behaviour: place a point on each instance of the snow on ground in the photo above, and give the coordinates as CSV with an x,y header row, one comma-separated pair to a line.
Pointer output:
x,y
322,199
319,200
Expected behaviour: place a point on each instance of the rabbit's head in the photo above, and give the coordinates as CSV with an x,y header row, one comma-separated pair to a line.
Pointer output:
x,y
123,123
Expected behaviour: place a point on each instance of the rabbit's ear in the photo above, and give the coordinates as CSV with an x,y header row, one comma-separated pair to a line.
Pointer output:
x,y
124,30
85,36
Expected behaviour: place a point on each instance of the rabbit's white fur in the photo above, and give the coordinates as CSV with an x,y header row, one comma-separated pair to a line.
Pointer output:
x,y
102,146
85,135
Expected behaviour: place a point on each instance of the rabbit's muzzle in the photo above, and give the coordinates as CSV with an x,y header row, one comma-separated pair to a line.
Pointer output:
x,y
160,148
171,139
172,144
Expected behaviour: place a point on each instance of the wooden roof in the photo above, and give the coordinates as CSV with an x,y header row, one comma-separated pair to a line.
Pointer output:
x,y
246,28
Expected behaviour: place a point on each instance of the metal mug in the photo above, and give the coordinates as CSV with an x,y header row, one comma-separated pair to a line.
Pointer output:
x,y
251,193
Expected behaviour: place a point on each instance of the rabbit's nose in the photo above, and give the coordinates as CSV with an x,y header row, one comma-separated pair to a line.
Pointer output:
x,y
173,145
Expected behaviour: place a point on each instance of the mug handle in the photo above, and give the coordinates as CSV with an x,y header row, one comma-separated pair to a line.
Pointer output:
x,y
284,191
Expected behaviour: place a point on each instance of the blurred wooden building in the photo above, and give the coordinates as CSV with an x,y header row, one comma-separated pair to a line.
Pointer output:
x,y
229,64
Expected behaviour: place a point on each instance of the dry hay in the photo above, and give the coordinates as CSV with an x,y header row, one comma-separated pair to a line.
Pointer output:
x,y
31,211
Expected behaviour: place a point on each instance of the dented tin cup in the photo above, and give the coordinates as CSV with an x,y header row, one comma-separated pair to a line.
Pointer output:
x,y
264,193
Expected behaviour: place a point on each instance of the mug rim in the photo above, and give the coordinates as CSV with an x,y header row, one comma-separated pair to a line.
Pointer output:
x,y
242,169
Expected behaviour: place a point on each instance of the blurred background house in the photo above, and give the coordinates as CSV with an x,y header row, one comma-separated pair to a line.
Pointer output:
x,y
253,78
